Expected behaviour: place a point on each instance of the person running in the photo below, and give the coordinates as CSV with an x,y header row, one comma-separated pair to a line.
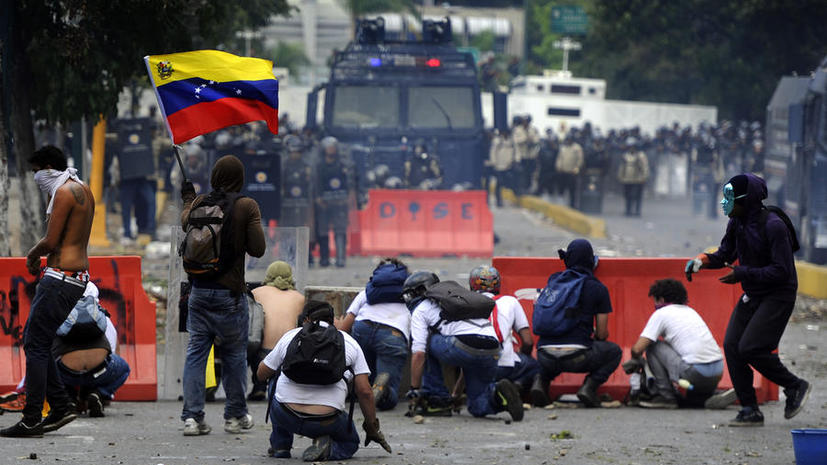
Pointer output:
x,y
62,283
763,244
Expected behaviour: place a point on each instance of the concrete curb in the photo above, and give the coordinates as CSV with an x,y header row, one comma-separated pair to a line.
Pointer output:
x,y
812,279
562,216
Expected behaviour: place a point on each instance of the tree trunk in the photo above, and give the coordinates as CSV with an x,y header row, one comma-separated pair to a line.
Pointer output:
x,y
31,211
5,232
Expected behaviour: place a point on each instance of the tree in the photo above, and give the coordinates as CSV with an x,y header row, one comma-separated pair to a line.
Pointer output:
x,y
359,8
290,56
71,58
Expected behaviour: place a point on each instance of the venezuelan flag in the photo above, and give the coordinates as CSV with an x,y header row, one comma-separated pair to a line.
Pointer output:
x,y
206,90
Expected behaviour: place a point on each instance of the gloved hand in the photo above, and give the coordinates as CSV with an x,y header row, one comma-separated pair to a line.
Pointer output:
x,y
372,433
694,265
632,365
187,188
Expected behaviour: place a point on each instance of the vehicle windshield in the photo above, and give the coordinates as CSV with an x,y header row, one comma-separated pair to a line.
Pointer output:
x,y
366,107
440,107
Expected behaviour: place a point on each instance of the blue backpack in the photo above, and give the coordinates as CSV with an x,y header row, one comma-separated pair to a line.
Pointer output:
x,y
385,286
556,311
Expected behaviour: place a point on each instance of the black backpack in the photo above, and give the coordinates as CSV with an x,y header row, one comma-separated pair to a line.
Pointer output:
x,y
207,248
765,214
457,303
385,285
316,355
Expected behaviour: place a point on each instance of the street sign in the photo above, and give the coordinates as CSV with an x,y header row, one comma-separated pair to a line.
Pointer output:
x,y
569,20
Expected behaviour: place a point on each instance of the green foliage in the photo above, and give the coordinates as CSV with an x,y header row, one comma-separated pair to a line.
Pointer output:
x,y
359,8
83,52
484,41
290,56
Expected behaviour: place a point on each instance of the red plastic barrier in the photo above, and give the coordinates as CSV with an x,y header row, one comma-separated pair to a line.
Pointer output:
x,y
426,224
628,281
121,293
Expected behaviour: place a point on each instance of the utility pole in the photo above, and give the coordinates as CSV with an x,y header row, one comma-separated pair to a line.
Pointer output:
x,y
566,43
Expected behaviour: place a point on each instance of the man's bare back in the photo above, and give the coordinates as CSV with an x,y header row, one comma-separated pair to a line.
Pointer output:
x,y
281,310
68,230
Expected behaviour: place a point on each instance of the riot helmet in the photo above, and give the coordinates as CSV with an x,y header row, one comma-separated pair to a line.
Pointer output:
x,y
293,143
485,278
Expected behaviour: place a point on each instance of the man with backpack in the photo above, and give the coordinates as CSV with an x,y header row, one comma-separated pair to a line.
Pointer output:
x,y
507,317
381,324
571,316
450,325
763,241
313,365
220,228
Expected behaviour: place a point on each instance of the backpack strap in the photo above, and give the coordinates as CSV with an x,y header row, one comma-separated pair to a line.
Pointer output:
x,y
271,395
352,397
495,321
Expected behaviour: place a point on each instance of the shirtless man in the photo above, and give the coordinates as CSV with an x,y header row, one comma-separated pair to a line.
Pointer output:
x,y
62,283
282,306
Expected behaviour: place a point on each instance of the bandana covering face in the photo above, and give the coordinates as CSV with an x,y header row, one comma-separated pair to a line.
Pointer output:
x,y
50,180
728,202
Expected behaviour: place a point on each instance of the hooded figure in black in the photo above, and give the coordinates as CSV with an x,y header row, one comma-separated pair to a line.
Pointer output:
x,y
763,245
583,349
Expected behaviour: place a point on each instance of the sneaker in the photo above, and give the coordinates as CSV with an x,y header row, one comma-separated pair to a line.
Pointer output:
x,y
235,425
257,396
192,427
94,405
380,388
748,416
721,400
508,398
796,397
659,402
22,430
278,454
15,403
318,451
435,407
8,397
57,419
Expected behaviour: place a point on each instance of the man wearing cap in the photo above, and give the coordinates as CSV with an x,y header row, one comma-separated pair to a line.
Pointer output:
x,y
763,244
282,304
332,202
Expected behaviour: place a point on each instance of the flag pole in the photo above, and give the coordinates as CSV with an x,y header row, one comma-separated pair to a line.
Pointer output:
x,y
178,151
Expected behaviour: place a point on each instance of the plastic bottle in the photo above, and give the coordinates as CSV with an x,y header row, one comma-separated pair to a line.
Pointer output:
x,y
684,383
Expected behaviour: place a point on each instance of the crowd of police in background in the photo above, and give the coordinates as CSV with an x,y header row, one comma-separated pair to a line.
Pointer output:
x,y
319,186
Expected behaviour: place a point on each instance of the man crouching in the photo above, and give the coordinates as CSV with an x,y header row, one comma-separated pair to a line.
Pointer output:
x,y
314,365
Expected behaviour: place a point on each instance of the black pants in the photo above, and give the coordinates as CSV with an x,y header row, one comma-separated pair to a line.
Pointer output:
x,y
53,300
752,335
634,196
599,361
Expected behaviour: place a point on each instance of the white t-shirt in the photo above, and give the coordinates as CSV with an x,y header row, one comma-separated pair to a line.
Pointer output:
x,y
510,317
684,330
426,314
395,315
333,395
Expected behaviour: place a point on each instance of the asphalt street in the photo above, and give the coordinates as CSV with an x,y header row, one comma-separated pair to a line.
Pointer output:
x,y
151,433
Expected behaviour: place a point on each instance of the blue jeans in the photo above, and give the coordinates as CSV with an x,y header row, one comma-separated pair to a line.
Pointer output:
x,y
599,361
52,302
215,315
386,351
106,383
344,440
139,193
478,366
522,373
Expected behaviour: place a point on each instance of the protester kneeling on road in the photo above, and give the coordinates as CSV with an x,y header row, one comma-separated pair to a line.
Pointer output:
x,y
381,324
461,337
571,316
686,364
508,317
313,366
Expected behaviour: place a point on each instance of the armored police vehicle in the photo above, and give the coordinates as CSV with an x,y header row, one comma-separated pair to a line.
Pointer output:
x,y
384,97
796,157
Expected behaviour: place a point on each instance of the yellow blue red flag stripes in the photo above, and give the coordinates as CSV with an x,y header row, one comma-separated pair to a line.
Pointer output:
x,y
206,90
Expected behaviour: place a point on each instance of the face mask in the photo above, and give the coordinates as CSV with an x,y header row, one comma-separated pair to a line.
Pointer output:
x,y
44,179
728,202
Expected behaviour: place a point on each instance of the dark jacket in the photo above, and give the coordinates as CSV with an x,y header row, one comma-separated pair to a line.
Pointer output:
x,y
765,260
247,234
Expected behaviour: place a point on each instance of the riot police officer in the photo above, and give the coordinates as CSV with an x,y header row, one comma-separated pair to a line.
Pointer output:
x,y
332,202
422,169
297,182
